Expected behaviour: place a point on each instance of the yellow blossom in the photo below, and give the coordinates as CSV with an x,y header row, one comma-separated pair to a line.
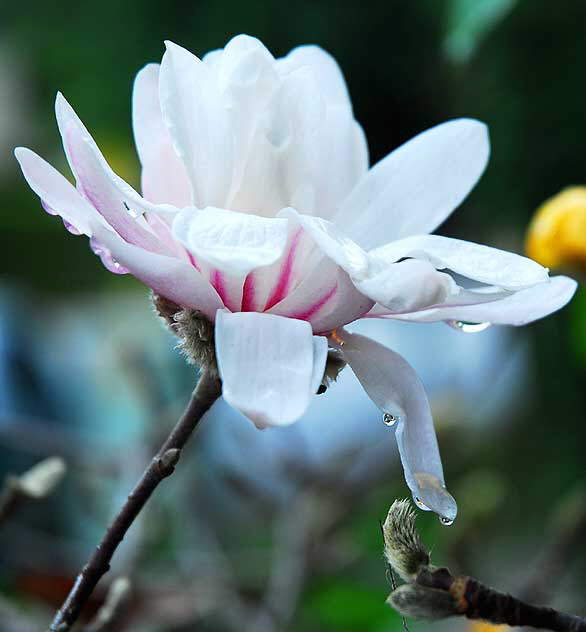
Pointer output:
x,y
482,626
557,233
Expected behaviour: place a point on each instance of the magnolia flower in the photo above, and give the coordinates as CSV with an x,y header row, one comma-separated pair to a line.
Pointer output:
x,y
259,210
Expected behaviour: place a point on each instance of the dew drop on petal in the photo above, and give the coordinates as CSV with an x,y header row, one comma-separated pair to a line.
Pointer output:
x,y
48,209
389,419
437,497
468,328
71,228
446,521
107,259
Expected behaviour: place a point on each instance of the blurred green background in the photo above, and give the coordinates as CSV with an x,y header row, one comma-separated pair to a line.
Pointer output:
x,y
86,371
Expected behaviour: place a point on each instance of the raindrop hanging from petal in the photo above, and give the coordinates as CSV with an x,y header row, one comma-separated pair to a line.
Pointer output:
x,y
466,327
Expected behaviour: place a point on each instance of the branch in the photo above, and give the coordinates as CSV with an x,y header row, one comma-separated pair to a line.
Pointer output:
x,y
434,593
163,464
114,603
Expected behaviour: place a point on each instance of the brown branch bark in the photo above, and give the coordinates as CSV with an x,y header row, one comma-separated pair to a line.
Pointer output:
x,y
474,600
163,464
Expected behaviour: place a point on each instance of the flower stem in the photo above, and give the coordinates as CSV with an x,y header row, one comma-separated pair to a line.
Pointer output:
x,y
206,392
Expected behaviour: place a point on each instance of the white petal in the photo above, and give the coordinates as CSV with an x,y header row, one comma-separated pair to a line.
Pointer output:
x,y
198,123
395,388
243,63
297,119
418,185
177,280
408,285
481,263
332,242
230,241
520,308
323,66
163,179
56,191
106,191
268,365
346,306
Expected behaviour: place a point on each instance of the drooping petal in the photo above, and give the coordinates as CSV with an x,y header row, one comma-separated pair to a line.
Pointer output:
x,y
172,278
395,388
56,192
417,186
520,308
320,357
408,285
116,200
197,120
230,241
484,264
163,179
268,365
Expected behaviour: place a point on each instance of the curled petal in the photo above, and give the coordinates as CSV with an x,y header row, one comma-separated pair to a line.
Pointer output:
x,y
414,189
395,388
408,285
230,241
269,365
520,308
484,264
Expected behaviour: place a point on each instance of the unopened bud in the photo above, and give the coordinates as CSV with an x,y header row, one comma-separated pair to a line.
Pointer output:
x,y
421,602
403,547
194,330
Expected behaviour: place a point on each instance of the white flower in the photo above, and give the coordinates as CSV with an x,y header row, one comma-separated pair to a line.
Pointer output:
x,y
259,210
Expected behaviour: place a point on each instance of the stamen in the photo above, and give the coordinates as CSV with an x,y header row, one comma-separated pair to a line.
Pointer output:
x,y
336,337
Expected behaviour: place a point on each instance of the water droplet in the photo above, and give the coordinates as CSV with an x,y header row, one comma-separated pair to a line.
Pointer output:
x,y
390,420
468,328
107,259
71,228
446,521
421,504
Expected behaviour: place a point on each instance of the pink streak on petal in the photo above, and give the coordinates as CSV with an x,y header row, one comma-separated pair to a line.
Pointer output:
x,y
249,293
284,281
193,261
219,284
313,309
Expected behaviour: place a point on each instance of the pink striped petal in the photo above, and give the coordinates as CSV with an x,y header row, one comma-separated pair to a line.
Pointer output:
x,y
172,278
116,200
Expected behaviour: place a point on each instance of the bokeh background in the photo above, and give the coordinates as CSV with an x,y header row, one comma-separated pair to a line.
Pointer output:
x,y
278,530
